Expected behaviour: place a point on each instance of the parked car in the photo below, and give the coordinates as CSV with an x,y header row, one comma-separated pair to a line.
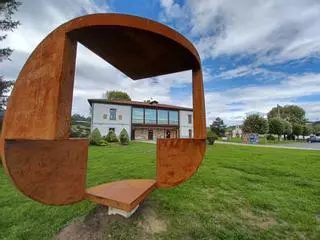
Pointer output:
x,y
312,139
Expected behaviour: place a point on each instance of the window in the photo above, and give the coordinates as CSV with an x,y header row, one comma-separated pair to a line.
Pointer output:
x,y
150,116
173,117
111,129
162,117
137,115
190,133
189,118
113,114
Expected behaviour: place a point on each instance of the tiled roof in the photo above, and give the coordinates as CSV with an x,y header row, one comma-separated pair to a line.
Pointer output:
x,y
139,104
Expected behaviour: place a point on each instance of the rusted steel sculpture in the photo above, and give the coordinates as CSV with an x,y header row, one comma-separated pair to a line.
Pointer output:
x,y
37,153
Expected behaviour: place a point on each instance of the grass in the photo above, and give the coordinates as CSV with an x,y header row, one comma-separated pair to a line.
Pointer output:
x,y
238,193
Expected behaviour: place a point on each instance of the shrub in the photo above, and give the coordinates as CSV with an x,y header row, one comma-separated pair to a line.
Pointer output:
x,y
124,137
291,137
79,131
211,137
95,137
111,137
270,137
74,133
103,143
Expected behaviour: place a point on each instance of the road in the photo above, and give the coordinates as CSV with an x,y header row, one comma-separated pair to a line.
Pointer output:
x,y
302,146
314,146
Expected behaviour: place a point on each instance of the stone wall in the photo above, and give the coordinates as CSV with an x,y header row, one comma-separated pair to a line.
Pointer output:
x,y
142,134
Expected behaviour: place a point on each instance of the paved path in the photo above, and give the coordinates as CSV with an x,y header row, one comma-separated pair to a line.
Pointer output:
x,y
302,146
314,146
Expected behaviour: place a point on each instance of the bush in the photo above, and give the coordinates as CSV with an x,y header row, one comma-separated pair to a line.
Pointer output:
x,y
111,137
124,137
291,137
95,137
211,137
271,137
74,133
103,143
79,131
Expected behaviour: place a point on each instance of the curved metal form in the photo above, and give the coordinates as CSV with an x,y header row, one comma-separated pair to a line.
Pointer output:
x,y
178,160
36,150
48,171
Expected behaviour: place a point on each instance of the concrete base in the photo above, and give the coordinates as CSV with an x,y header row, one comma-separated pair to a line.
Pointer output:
x,y
114,211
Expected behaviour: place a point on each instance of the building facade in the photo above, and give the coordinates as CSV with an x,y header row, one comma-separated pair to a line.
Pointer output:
x,y
237,132
142,120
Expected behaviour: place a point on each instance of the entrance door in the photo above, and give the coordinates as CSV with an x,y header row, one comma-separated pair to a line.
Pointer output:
x,y
150,135
168,134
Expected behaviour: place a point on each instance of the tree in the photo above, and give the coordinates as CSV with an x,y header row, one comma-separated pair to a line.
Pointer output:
x,y
7,9
255,124
307,130
287,128
316,129
291,113
124,137
75,118
211,137
218,127
276,126
296,129
4,89
116,95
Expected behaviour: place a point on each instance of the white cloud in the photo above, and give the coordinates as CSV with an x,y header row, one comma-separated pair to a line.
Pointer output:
x,y
269,32
93,75
172,10
273,30
233,104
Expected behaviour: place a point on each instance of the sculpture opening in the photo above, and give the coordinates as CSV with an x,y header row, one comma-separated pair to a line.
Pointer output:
x,y
37,153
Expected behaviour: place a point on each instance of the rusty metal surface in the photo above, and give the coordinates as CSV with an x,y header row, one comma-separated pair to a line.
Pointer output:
x,y
124,195
49,171
178,160
39,107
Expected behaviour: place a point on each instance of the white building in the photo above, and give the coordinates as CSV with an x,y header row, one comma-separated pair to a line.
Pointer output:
x,y
237,132
142,120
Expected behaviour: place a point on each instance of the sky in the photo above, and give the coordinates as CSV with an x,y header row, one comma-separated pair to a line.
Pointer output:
x,y
255,54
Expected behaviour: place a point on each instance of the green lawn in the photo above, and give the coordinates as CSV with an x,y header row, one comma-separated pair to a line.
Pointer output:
x,y
238,193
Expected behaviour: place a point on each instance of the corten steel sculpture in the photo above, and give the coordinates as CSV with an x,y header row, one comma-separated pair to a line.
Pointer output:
x,y
37,153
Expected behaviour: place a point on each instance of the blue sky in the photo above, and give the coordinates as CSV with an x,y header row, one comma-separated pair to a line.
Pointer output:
x,y
255,54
